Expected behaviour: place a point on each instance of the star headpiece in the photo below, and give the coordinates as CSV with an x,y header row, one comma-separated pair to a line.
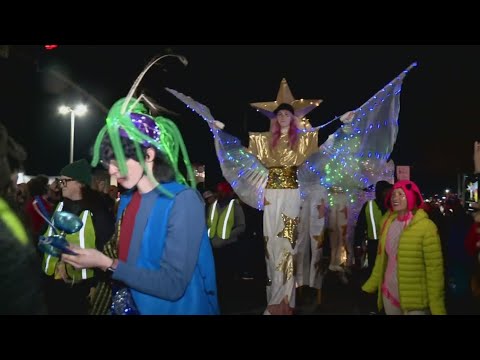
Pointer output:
x,y
302,107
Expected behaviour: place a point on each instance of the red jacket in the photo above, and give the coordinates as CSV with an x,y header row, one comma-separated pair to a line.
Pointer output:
x,y
37,222
471,240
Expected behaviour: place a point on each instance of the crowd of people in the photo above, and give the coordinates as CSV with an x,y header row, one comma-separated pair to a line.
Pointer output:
x,y
156,245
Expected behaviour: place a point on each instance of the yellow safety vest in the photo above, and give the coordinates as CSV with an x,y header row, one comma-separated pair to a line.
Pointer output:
x,y
220,225
374,218
85,238
12,223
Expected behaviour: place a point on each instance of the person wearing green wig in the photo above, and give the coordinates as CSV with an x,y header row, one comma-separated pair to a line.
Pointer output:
x,y
161,259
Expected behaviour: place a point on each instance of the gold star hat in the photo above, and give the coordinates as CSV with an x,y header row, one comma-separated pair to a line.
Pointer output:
x,y
302,107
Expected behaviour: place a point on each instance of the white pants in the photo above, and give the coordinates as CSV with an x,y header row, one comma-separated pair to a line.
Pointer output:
x,y
311,238
280,219
338,227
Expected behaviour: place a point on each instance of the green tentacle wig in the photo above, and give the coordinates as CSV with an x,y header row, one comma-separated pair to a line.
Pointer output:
x,y
169,140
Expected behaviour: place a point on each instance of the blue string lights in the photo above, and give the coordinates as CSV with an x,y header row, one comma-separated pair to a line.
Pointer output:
x,y
351,159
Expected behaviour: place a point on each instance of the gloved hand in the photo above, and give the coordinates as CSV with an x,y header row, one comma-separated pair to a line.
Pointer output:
x,y
347,118
219,124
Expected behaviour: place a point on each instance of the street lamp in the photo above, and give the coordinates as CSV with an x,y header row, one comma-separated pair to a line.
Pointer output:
x,y
79,110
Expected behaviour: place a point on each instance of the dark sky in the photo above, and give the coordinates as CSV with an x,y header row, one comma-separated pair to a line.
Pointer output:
x,y
439,117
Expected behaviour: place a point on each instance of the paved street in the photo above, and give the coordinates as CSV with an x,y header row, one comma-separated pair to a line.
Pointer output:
x,y
339,297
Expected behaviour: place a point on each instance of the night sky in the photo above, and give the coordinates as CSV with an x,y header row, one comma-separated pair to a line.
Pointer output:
x,y
439,117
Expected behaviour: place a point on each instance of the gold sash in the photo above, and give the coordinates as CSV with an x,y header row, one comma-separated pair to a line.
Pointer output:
x,y
282,178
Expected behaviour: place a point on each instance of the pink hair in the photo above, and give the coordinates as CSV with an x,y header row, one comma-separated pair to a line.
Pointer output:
x,y
277,132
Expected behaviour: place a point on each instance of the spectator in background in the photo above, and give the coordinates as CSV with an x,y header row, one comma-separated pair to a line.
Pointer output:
x,y
408,274
458,264
38,207
252,251
209,197
101,183
369,222
69,289
23,196
20,274
226,223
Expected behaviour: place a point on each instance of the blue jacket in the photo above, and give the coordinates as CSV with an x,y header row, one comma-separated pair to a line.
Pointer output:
x,y
158,283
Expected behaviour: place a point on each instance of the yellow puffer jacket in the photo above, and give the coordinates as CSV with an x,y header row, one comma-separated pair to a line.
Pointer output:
x,y
419,267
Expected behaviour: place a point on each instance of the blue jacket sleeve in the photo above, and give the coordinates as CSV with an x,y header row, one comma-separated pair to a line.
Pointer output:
x,y
186,225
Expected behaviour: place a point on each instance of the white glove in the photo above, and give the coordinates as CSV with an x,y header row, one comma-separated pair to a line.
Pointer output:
x,y
218,124
347,118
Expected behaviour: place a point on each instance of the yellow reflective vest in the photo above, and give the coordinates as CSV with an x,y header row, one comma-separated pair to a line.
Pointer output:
x,y
12,223
220,224
374,219
85,238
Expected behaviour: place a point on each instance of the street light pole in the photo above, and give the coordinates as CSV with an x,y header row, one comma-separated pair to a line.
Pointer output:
x,y
72,133
79,110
